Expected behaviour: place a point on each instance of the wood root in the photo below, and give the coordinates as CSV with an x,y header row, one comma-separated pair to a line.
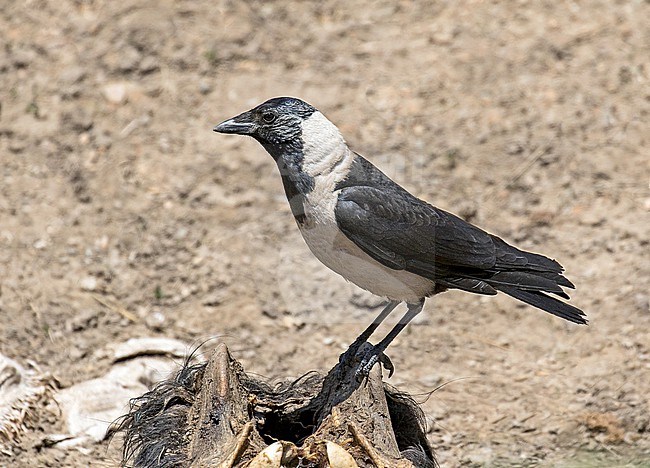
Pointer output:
x,y
215,415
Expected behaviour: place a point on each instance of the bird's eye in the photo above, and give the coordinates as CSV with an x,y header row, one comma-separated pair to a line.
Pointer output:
x,y
268,117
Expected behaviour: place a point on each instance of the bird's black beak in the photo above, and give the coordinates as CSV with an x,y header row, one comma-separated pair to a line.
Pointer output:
x,y
242,125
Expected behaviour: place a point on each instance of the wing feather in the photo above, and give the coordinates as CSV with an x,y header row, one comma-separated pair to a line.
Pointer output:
x,y
396,228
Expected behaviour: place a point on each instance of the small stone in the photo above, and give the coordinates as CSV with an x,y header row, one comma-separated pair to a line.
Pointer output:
x,y
17,145
442,37
156,321
78,121
204,88
89,283
101,243
514,148
103,140
129,59
163,144
82,321
40,244
148,65
71,91
73,75
592,219
23,57
115,93
293,322
642,302
213,299
181,233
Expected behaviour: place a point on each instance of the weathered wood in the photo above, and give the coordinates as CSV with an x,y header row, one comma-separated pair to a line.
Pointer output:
x,y
219,412
344,403
229,420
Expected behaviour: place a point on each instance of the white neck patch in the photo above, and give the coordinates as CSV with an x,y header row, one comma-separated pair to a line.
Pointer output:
x,y
323,145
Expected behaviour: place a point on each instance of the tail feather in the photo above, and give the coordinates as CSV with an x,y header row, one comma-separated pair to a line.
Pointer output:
x,y
530,277
549,304
557,277
512,258
529,281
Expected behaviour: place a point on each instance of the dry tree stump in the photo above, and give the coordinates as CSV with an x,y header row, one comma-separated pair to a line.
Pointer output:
x,y
215,415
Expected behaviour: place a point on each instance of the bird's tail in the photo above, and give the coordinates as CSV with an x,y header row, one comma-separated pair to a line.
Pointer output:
x,y
530,277
531,286
547,303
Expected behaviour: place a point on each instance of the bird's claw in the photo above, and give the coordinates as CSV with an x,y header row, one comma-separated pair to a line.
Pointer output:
x,y
369,359
388,364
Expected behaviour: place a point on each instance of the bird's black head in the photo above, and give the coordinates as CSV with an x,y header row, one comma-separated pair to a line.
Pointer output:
x,y
276,123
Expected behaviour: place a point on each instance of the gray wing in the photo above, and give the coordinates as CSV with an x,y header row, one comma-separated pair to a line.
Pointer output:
x,y
405,233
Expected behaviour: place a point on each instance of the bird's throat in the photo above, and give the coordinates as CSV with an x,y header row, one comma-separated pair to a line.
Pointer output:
x,y
297,185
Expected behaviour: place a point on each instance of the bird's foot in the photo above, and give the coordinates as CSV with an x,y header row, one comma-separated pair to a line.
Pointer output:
x,y
361,356
369,358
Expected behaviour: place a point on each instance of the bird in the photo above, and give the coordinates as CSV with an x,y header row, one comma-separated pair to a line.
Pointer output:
x,y
374,233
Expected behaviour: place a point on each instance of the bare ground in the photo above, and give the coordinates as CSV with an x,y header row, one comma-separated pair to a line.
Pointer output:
x,y
528,118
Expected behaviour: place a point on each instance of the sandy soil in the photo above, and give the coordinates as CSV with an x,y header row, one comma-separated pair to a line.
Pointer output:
x,y
528,118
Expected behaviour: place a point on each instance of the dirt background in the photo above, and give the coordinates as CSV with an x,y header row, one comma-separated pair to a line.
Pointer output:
x,y
528,118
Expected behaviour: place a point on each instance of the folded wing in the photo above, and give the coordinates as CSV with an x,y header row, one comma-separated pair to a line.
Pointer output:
x,y
404,233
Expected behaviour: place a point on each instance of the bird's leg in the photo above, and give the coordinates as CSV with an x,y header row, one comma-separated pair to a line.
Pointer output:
x,y
353,348
376,354
375,324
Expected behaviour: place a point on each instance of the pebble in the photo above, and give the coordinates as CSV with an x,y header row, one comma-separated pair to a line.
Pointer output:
x,y
214,298
103,140
291,322
204,88
156,321
591,219
78,121
17,145
40,244
642,302
148,65
181,233
89,283
129,59
82,321
73,75
115,93
23,57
